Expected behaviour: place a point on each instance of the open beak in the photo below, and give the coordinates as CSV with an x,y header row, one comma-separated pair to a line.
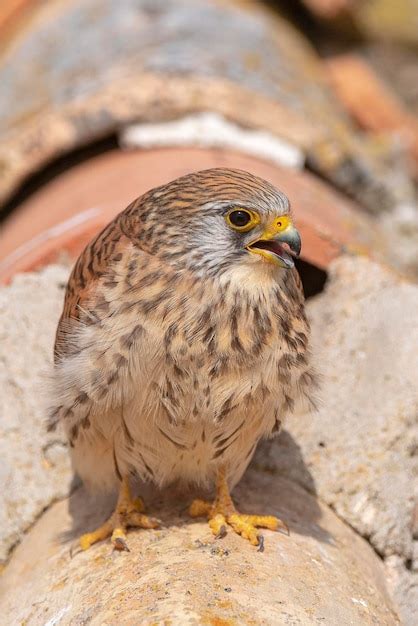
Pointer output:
x,y
279,243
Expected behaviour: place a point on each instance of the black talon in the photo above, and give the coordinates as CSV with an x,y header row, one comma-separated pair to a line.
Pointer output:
x,y
222,532
260,543
120,545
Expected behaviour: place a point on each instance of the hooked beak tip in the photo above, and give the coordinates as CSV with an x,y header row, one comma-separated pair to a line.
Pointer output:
x,y
292,238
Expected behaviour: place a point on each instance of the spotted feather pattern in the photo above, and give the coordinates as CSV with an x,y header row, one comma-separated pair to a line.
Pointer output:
x,y
178,350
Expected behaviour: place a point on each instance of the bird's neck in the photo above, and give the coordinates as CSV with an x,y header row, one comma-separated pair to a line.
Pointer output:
x,y
259,280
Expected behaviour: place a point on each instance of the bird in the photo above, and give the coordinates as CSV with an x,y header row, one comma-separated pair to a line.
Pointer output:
x,y
182,342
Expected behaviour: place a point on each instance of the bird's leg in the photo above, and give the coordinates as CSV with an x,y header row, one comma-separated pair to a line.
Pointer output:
x,y
127,514
223,512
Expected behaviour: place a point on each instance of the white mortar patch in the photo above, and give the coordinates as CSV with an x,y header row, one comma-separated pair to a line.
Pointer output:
x,y
210,130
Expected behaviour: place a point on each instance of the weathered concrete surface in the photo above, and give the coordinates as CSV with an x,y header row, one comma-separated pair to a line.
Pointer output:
x,y
34,468
358,453
322,573
360,450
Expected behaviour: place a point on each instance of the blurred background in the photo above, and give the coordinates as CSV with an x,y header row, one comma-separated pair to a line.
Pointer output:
x,y
101,100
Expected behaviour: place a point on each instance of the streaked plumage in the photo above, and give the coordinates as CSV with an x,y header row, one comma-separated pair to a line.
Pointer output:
x,y
179,348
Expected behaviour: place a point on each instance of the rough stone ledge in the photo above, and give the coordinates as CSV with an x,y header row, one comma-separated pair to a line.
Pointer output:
x,y
369,388
34,468
321,573
359,453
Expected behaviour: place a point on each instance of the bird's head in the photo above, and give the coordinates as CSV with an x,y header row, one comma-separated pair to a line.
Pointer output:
x,y
271,236
214,220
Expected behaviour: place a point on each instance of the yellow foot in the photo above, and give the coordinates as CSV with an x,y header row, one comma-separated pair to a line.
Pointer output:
x,y
221,515
128,514
245,525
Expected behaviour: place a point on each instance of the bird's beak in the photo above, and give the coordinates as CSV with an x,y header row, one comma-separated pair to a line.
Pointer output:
x,y
279,243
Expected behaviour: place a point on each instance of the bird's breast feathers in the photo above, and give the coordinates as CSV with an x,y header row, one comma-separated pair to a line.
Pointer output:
x,y
170,366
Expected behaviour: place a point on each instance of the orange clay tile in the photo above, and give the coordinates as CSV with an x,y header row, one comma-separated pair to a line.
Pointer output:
x,y
371,102
64,215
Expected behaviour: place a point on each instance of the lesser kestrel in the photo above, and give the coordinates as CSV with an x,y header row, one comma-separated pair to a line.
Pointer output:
x,y
183,341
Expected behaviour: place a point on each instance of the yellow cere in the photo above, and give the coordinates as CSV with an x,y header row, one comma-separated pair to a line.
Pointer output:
x,y
272,230
278,225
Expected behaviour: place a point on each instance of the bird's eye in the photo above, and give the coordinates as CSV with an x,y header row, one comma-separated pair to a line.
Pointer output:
x,y
239,218
242,219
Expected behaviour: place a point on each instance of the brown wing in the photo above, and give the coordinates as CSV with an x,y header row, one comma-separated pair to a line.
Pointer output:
x,y
93,263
